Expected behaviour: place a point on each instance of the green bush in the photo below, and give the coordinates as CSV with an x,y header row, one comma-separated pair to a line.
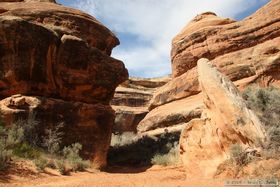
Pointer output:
x,y
9,138
41,163
24,150
62,167
21,140
171,158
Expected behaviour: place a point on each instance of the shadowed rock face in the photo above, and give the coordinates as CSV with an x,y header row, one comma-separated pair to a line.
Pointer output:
x,y
205,143
88,124
131,101
60,57
247,51
63,56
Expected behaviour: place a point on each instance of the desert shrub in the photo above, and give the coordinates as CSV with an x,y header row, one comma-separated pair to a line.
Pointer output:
x,y
71,155
125,138
62,167
15,135
52,164
9,138
265,102
171,158
30,129
41,163
53,138
238,155
25,150
5,155
142,149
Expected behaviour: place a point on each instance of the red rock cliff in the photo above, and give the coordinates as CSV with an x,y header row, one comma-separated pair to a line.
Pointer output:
x,y
59,59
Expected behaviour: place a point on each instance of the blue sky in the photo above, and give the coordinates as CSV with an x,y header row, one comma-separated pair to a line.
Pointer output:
x,y
146,27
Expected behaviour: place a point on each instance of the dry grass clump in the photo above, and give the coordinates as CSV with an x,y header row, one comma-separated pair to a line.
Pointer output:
x,y
170,158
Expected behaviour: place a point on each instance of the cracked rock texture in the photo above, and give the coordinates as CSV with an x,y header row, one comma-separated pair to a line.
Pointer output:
x,y
58,59
205,143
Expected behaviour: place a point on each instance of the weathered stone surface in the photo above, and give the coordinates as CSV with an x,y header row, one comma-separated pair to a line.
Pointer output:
x,y
131,101
132,97
128,118
88,124
259,64
254,65
60,57
208,36
174,113
246,51
205,143
177,88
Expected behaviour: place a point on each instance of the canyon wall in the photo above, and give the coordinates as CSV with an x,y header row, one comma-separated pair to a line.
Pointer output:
x,y
55,63
246,51
131,101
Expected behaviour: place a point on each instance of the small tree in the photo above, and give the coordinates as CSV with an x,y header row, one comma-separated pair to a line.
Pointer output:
x,y
53,138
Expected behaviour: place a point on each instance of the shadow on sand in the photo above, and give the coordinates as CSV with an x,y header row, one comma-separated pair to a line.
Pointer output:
x,y
126,169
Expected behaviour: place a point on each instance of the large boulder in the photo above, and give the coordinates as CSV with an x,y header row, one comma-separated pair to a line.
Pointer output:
x,y
61,57
205,143
247,51
172,114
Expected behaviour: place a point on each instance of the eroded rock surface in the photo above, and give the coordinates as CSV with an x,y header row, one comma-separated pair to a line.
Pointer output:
x,y
247,51
209,36
172,114
205,143
60,57
131,101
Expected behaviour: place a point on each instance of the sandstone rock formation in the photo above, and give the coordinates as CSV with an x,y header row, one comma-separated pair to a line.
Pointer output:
x,y
131,101
88,124
247,51
205,143
204,37
59,59
172,114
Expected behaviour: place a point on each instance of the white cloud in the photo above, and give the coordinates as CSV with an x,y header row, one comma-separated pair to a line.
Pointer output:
x,y
154,22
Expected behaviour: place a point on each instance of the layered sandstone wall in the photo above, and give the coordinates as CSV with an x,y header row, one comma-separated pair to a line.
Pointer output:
x,y
247,51
58,59
131,101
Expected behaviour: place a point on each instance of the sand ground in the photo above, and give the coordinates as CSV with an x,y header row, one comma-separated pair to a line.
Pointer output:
x,y
156,176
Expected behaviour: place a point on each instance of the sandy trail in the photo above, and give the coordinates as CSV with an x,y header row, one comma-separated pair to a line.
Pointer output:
x,y
118,177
